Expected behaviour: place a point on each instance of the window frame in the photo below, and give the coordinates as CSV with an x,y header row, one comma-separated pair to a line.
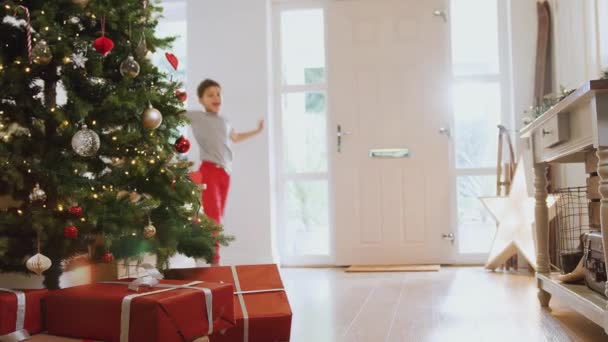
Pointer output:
x,y
281,175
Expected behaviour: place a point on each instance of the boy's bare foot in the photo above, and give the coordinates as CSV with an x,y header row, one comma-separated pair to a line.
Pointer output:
x,y
574,276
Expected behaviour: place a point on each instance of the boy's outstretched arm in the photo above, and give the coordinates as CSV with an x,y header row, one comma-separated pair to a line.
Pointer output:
x,y
238,137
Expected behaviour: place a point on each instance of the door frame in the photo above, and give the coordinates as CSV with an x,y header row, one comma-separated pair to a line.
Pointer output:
x,y
277,7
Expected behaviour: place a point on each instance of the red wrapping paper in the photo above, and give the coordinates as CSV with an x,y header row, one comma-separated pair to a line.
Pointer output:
x,y
94,312
269,313
33,313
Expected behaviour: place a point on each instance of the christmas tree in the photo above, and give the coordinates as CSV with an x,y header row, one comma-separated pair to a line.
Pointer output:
x,y
89,139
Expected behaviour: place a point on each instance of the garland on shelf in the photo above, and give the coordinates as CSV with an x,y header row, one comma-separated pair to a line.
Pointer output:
x,y
549,101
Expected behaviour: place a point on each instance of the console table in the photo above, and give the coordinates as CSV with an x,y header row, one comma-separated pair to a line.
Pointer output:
x,y
566,133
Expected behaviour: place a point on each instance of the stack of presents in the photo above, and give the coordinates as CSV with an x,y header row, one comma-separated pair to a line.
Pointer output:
x,y
214,304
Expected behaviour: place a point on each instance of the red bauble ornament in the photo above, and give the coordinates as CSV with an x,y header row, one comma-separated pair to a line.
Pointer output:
x,y
103,45
172,59
70,232
182,145
75,211
107,257
181,95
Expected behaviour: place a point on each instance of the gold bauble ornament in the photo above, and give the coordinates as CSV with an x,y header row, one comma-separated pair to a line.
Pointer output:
x,y
149,231
38,264
151,118
81,3
41,53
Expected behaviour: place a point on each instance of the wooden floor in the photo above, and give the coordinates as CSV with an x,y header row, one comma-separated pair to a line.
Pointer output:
x,y
455,304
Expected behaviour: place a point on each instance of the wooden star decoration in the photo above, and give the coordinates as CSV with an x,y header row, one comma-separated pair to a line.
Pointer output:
x,y
515,217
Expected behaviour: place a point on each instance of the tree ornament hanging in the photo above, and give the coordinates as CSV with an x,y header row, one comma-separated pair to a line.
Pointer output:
x,y
41,53
70,232
129,67
85,142
172,59
103,44
107,257
149,230
151,118
81,3
75,211
37,194
38,264
182,144
28,30
182,96
141,50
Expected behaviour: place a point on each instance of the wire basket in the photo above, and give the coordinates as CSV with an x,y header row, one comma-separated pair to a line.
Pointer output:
x,y
571,222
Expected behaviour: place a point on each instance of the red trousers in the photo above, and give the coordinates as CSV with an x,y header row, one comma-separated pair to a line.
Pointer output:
x,y
214,196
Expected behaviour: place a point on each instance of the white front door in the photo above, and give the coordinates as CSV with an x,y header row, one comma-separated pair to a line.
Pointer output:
x,y
389,71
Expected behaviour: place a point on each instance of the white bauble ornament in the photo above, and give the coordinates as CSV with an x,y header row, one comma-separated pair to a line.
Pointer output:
x,y
38,264
37,194
85,142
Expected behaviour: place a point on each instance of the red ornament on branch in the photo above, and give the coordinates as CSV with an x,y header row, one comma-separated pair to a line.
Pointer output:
x,y
103,44
107,257
182,145
70,232
181,95
75,211
172,59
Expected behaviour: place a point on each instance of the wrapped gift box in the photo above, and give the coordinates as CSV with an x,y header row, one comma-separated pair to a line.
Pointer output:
x,y
21,310
110,312
261,306
50,338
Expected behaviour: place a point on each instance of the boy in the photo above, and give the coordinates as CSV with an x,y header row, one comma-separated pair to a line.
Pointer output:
x,y
215,136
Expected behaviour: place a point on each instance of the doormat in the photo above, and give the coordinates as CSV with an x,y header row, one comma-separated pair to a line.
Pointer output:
x,y
393,268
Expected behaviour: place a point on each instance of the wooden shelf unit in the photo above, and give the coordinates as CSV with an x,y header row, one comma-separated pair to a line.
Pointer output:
x,y
575,127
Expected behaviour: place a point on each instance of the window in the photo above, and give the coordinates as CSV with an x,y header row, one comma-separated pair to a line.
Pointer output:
x,y
480,102
173,23
301,92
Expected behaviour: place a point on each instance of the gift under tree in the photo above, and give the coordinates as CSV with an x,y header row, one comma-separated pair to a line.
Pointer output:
x,y
89,139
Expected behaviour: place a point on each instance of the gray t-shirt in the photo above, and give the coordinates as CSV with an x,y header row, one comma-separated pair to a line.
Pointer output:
x,y
212,132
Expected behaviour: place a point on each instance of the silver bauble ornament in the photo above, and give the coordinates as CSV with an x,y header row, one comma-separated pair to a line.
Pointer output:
x,y
149,231
38,264
151,118
81,3
129,67
85,142
37,194
41,53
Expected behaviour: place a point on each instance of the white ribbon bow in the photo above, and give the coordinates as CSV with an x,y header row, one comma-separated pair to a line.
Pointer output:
x,y
151,278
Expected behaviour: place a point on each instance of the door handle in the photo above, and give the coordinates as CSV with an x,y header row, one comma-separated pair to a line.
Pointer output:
x,y
339,134
445,131
450,237
442,14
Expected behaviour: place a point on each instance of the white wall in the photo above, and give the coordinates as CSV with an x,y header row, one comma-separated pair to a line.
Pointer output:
x,y
523,27
580,53
228,41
